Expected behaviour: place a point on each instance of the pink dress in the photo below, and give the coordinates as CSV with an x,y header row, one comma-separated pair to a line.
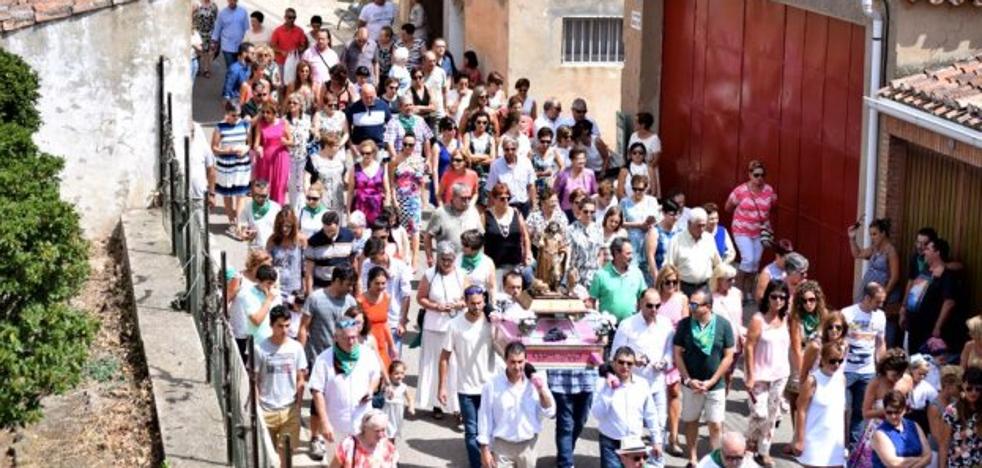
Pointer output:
x,y
274,166
369,192
672,309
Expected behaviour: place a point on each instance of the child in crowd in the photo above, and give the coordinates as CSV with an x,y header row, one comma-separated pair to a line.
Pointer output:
x,y
398,396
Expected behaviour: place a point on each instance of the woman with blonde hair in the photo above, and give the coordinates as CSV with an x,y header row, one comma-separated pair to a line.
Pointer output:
x,y
951,389
327,168
674,305
972,352
309,217
368,183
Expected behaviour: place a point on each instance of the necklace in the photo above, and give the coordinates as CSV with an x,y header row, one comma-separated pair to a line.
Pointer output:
x,y
503,227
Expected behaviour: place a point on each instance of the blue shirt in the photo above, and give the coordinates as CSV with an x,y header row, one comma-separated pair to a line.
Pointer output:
x,y
368,123
230,27
906,443
237,74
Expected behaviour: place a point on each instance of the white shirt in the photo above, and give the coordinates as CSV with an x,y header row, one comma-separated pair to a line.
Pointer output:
x,y
510,412
651,144
653,341
470,345
247,301
461,100
263,226
320,63
518,177
866,329
343,393
626,410
436,82
278,367
695,259
398,287
543,121
570,121
376,17
260,38
201,159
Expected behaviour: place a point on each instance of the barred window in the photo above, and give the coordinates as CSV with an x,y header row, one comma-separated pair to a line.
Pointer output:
x,y
593,40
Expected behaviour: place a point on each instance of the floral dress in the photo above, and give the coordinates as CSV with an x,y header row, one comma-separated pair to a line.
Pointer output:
x,y
410,175
351,453
585,243
204,21
332,174
369,192
965,446
537,222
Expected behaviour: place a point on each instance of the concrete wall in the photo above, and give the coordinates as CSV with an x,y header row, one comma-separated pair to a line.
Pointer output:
x,y
642,57
535,34
487,33
99,96
17,14
924,35
846,10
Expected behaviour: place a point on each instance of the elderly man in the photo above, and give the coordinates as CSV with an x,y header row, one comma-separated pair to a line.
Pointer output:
x,y
342,383
321,58
329,248
450,220
795,269
617,286
731,455
550,118
408,123
624,408
360,52
515,172
367,119
704,347
579,110
399,285
510,420
469,343
437,83
693,252
258,217
377,15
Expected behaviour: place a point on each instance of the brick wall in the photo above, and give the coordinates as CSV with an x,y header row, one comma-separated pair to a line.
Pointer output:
x,y
17,14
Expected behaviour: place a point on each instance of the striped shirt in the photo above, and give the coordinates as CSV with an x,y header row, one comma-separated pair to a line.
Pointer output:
x,y
368,123
326,254
752,209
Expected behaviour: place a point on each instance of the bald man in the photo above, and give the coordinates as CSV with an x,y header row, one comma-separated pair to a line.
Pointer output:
x,y
367,118
731,454
360,52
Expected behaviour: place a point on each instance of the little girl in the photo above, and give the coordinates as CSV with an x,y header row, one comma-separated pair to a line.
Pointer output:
x,y
397,397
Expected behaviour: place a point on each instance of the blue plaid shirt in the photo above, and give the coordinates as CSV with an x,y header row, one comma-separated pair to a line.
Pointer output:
x,y
572,381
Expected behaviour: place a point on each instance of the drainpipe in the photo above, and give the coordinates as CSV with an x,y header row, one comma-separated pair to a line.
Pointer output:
x,y
872,116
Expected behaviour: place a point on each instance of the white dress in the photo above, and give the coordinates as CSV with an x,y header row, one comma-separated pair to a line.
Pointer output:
x,y
652,145
394,407
443,289
633,170
824,424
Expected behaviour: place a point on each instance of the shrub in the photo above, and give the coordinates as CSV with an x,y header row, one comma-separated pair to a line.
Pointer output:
x,y
43,261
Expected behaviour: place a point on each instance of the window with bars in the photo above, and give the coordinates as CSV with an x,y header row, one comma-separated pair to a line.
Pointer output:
x,y
593,40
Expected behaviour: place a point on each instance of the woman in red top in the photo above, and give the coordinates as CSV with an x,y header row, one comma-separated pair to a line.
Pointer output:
x,y
375,303
370,447
751,203
458,173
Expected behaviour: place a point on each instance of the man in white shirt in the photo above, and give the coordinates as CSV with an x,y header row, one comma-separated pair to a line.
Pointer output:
x,y
510,420
650,336
469,343
551,110
515,172
436,82
579,110
340,399
399,285
377,15
694,253
321,58
280,367
258,217
459,97
623,407
866,344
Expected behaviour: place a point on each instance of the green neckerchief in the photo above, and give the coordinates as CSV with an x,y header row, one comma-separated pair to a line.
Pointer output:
x,y
261,212
810,323
704,336
314,212
470,262
717,457
407,122
347,359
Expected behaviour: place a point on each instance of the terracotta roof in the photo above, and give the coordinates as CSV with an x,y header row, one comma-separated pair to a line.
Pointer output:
x,y
977,3
953,92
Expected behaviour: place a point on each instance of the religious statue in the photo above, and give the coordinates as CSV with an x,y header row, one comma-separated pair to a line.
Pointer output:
x,y
552,262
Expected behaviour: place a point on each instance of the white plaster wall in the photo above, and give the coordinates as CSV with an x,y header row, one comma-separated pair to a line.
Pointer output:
x,y
99,100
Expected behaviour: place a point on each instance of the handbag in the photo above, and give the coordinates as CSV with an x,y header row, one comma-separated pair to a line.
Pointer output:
x,y
766,232
290,68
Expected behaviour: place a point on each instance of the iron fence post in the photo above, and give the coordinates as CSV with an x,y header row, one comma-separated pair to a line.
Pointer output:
x,y
188,212
172,180
207,316
253,402
287,461
161,158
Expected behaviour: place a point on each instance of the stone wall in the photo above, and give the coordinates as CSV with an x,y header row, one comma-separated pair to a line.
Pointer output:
x,y
17,14
99,98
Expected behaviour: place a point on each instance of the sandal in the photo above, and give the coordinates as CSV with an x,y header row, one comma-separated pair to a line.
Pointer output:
x,y
437,413
231,232
674,450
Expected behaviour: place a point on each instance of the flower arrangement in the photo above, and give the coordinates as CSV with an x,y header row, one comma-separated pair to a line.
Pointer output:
x,y
526,326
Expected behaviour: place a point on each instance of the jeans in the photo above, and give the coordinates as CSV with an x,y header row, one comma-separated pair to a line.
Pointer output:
x,y
661,413
855,390
894,335
572,411
398,341
608,452
230,58
469,406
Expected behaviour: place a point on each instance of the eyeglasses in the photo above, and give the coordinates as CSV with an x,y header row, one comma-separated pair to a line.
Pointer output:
x,y
367,153
973,388
457,160
894,411
639,188
671,283
625,362
757,175
313,198
778,297
545,141
811,300
696,305
834,362
836,327
651,305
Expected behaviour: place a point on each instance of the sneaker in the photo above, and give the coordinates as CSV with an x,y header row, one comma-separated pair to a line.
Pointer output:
x,y
318,448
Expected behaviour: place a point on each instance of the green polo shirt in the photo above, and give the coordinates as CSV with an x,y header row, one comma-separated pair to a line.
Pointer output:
x,y
617,293
698,364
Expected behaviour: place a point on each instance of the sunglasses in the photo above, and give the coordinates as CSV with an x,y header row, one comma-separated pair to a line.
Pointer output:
x,y
504,197
482,96
332,106
651,305
457,160
836,327
637,152
260,196
418,77
834,362
696,305
481,122
671,283
757,175
894,411
313,198
639,188
589,212
972,388
733,458
624,362
511,148
367,153
777,297
811,300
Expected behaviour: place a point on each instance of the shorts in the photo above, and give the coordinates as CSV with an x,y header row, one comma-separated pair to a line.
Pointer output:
x,y
283,422
711,406
751,249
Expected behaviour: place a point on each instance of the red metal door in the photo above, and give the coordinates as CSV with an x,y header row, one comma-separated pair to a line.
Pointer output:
x,y
755,79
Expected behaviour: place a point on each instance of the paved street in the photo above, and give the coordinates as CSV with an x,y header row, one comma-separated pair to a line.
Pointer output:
x,y
426,442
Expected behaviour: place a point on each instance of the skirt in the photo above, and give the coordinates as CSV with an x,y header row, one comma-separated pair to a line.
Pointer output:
x,y
234,173
428,386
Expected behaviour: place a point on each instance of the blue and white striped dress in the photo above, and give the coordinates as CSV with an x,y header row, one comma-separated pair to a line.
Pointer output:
x,y
234,171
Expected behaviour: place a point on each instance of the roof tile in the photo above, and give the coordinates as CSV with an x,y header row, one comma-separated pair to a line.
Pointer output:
x,y
952,92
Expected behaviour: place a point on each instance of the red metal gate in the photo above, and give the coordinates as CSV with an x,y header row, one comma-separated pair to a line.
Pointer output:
x,y
755,79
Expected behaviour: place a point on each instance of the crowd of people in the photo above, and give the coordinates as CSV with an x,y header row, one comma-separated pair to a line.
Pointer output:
x,y
325,163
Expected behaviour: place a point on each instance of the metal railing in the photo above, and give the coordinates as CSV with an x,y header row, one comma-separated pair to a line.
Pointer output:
x,y
248,444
